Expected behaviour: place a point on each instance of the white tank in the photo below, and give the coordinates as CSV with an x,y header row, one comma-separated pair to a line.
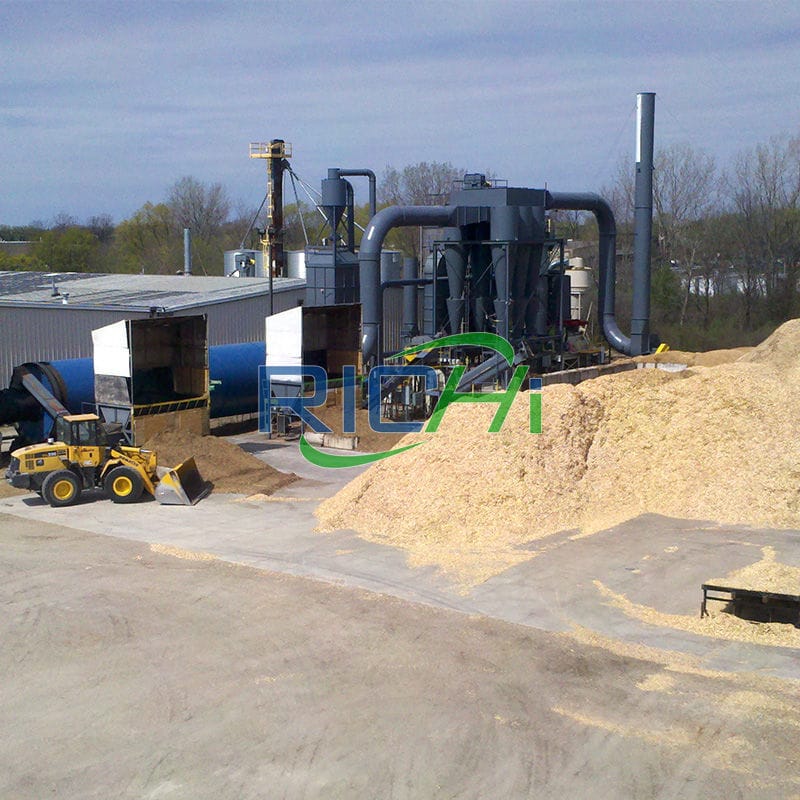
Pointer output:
x,y
295,264
580,281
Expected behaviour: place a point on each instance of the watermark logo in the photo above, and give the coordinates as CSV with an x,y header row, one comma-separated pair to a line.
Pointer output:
x,y
281,387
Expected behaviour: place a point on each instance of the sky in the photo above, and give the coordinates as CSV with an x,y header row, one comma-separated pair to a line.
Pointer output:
x,y
104,105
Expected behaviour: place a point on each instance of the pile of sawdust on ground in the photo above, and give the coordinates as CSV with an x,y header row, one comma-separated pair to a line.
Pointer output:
x,y
781,350
179,552
226,466
767,575
260,497
718,443
711,358
718,624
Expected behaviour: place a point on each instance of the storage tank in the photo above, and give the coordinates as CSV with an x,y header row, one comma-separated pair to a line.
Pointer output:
x,y
580,278
233,374
295,264
244,263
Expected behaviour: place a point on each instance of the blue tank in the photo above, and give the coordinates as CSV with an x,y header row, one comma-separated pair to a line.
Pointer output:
x,y
233,372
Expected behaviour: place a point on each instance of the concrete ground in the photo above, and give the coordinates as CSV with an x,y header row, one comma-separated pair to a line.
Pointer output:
x,y
320,665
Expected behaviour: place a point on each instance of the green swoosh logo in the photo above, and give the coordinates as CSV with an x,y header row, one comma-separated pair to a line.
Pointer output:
x,y
489,340
320,459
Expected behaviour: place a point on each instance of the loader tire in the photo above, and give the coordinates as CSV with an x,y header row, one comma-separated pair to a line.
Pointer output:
x,y
61,488
123,485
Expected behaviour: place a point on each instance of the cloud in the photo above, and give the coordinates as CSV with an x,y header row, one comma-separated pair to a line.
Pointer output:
x,y
108,103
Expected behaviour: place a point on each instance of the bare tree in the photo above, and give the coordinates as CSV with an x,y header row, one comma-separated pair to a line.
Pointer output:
x,y
685,192
201,208
102,227
764,192
62,221
422,184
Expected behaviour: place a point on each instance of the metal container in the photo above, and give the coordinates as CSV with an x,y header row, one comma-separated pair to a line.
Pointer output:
x,y
233,372
295,264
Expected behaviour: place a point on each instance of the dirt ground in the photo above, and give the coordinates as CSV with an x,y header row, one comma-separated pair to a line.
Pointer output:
x,y
132,673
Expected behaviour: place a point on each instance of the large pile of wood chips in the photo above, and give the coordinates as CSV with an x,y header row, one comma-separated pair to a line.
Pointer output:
x,y
715,442
222,463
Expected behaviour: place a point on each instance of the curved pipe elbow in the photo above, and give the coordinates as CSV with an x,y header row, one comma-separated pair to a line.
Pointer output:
x,y
369,258
607,227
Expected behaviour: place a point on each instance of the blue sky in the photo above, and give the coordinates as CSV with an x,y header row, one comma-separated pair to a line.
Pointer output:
x,y
104,105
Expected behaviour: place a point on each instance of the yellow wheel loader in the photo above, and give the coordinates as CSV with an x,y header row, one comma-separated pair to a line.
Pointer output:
x,y
80,457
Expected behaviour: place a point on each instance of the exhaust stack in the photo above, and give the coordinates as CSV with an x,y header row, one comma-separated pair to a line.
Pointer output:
x,y
643,223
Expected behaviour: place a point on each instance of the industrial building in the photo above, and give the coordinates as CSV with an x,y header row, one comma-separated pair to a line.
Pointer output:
x,y
50,316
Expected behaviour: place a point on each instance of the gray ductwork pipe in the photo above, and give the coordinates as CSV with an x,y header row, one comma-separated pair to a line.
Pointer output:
x,y
410,293
607,227
643,223
504,228
369,260
187,251
456,265
367,173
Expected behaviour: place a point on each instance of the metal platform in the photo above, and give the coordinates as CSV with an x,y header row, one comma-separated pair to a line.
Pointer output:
x,y
774,606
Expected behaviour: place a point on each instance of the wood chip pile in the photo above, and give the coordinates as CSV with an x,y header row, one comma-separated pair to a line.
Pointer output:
x,y
226,466
717,443
767,575
712,358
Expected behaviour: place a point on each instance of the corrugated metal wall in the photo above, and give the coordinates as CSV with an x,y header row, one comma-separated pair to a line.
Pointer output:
x,y
51,334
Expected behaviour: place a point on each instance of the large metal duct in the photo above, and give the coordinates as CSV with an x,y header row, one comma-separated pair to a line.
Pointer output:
x,y
187,251
643,223
367,173
606,296
369,259
504,229
410,297
456,265
639,341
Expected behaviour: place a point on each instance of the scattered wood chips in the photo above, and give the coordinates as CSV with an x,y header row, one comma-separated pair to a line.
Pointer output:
x,y
712,358
718,624
226,466
718,443
767,575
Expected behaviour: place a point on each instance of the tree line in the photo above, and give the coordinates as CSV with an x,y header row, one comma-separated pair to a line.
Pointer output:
x,y
726,242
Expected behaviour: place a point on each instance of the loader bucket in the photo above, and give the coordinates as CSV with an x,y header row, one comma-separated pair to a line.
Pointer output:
x,y
181,485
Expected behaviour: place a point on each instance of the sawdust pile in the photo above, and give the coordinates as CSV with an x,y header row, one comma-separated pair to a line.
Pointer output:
x,y
719,624
179,552
718,443
226,466
712,358
767,575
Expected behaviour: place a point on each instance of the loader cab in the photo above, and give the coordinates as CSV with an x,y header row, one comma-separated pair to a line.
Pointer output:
x,y
80,430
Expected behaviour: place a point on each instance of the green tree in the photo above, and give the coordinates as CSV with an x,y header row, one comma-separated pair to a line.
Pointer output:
x,y
69,249
204,209
148,241
22,261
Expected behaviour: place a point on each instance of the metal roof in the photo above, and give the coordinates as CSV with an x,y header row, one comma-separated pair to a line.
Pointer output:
x,y
131,292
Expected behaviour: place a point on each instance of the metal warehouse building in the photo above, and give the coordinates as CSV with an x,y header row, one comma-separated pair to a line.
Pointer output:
x,y
49,316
